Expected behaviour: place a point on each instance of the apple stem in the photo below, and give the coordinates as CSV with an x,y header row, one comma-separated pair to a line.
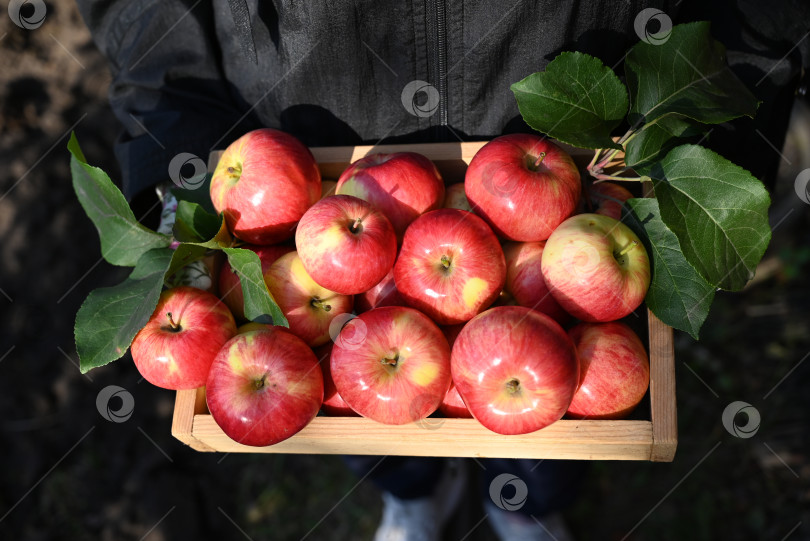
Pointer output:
x,y
260,383
318,303
539,159
627,248
446,262
391,360
356,226
174,326
513,386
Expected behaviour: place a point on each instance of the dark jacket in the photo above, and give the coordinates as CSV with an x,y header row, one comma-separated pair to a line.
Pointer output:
x,y
193,75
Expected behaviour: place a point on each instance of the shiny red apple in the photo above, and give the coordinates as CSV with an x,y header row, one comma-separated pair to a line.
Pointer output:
x,y
614,371
400,370
264,386
524,279
333,403
230,287
401,185
515,369
309,307
596,268
263,184
346,244
176,347
385,293
450,266
523,185
607,199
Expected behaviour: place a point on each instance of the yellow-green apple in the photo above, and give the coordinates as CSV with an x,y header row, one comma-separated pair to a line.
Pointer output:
x,y
176,347
515,369
230,287
308,306
400,371
607,199
401,185
614,371
523,185
328,188
346,244
524,279
450,266
456,198
596,268
333,403
383,294
263,184
264,386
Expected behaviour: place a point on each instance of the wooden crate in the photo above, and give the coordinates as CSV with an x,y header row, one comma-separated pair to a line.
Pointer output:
x,y
654,439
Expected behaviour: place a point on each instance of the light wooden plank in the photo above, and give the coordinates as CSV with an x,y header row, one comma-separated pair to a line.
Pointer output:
x,y
185,408
662,390
567,439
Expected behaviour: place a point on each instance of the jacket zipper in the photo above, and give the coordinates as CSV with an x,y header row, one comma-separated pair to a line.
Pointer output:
x,y
437,40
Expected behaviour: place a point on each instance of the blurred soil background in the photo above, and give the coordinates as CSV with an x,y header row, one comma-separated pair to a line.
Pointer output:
x,y
68,474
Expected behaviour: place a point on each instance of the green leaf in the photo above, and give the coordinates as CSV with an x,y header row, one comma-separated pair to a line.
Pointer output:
x,y
654,140
201,194
687,75
193,224
184,254
110,317
259,303
678,294
718,211
577,100
123,239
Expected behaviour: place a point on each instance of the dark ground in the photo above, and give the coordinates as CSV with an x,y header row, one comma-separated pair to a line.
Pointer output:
x,y
69,474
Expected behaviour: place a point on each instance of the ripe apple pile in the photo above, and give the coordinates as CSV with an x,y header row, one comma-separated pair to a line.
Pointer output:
x,y
406,298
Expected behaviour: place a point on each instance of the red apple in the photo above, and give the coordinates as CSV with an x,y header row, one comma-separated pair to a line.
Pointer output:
x,y
346,244
399,372
456,198
515,369
230,287
263,184
176,347
596,268
401,185
333,403
523,185
308,307
524,279
264,387
607,199
614,371
385,293
451,266
453,406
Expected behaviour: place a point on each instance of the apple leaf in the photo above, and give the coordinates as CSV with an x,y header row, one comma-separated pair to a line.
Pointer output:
x,y
577,100
718,211
199,194
123,239
259,303
196,225
110,317
678,295
184,254
655,139
687,75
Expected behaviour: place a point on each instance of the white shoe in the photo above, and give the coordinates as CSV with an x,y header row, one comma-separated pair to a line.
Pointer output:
x,y
422,519
512,526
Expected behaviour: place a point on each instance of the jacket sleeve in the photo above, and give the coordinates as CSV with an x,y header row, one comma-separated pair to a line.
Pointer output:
x,y
167,88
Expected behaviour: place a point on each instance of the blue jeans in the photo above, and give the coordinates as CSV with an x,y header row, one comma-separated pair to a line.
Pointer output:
x,y
552,484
